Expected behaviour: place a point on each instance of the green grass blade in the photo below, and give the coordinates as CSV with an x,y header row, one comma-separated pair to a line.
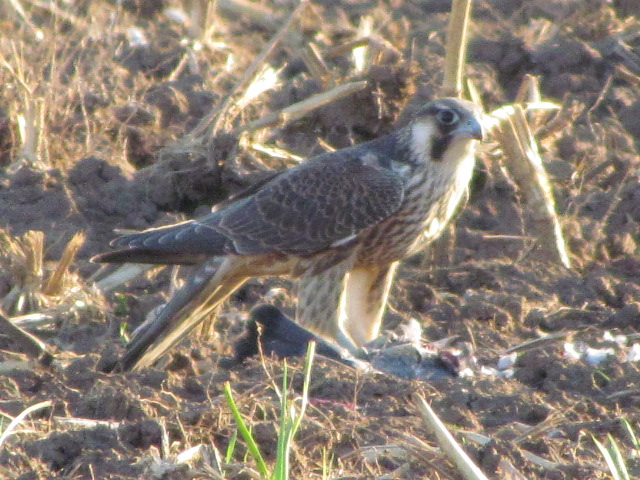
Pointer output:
x,y
617,457
231,447
244,431
327,463
608,458
281,468
290,420
632,435
308,365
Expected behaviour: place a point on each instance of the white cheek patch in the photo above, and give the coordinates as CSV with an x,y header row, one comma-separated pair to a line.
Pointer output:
x,y
421,133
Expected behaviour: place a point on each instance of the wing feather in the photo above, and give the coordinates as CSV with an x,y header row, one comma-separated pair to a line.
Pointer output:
x,y
302,211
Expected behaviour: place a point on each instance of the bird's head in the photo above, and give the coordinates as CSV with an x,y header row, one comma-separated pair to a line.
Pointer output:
x,y
445,129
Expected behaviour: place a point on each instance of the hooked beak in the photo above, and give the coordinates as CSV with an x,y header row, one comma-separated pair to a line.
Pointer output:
x,y
471,129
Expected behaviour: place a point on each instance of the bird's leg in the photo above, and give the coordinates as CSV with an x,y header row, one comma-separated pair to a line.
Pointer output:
x,y
321,303
366,298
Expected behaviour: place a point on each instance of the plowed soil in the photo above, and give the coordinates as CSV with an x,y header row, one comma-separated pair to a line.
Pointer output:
x,y
93,93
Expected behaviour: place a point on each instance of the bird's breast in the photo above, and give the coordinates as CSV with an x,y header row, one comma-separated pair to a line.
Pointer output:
x,y
431,199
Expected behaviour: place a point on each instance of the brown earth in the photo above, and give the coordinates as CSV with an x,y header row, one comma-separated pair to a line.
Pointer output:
x,y
107,104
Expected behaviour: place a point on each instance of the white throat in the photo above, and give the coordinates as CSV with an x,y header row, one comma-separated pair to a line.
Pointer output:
x,y
450,175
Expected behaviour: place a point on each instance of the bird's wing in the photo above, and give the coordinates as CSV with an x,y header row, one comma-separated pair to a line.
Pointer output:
x,y
314,207
323,203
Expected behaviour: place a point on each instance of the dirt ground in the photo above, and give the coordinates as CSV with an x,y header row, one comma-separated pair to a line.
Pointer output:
x,y
91,94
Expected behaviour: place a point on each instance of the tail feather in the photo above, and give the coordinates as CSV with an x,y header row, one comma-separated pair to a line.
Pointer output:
x,y
148,255
186,243
209,286
207,289
142,236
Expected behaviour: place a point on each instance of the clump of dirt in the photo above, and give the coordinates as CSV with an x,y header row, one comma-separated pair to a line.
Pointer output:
x,y
113,85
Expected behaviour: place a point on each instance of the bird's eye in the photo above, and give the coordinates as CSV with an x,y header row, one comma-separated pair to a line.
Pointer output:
x,y
447,117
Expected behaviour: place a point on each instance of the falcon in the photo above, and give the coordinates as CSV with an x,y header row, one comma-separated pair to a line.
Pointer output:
x,y
340,223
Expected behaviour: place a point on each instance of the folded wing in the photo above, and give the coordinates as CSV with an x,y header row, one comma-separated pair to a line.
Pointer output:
x,y
325,202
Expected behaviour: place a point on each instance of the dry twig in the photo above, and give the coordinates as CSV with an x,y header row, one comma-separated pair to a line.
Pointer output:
x,y
456,48
304,107
511,129
451,448
209,126
525,164
20,418
55,283
29,343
